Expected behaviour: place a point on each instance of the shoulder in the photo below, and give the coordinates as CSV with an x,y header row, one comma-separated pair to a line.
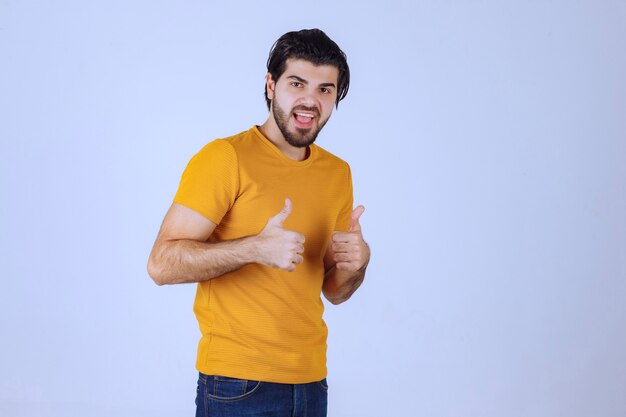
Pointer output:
x,y
219,155
223,147
229,145
330,158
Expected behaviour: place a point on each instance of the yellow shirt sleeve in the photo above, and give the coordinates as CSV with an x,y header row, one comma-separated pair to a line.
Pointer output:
x,y
210,183
343,219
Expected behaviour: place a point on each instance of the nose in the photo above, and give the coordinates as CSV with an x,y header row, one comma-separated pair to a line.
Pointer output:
x,y
307,98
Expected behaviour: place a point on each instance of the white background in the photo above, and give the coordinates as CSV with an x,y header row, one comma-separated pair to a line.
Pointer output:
x,y
488,144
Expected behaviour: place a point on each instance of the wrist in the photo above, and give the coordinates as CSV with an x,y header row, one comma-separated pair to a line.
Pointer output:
x,y
252,250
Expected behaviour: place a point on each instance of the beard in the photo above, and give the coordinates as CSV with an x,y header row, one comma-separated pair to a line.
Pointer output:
x,y
300,138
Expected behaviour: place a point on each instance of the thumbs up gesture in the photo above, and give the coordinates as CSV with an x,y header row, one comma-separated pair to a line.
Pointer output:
x,y
350,252
281,248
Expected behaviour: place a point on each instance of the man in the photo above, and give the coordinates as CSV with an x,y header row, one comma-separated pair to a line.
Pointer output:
x,y
263,222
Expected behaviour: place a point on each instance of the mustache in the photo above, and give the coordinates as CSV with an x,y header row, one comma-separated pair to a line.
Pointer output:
x,y
305,108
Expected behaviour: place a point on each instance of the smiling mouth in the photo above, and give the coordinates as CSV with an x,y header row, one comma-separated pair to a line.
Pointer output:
x,y
303,119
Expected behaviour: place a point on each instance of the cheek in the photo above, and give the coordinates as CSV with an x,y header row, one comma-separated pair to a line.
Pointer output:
x,y
329,104
327,109
285,100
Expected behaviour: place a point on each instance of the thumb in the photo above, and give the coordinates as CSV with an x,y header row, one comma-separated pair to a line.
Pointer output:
x,y
355,226
282,215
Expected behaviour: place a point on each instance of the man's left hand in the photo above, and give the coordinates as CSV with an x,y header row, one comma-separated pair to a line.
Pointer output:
x,y
351,253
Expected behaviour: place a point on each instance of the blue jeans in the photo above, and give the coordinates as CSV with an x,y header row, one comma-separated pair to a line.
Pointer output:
x,y
220,396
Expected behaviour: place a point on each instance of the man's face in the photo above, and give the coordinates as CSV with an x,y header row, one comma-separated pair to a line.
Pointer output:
x,y
302,100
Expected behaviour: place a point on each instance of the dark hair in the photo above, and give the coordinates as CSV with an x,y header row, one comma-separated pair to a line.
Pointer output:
x,y
314,46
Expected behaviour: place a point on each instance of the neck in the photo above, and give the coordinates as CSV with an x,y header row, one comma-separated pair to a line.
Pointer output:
x,y
270,130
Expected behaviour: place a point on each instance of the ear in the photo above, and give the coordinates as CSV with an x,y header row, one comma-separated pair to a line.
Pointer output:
x,y
270,85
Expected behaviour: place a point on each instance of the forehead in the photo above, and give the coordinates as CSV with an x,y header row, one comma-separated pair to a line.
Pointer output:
x,y
314,74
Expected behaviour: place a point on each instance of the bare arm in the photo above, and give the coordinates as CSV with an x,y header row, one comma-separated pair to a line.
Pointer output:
x,y
345,261
181,254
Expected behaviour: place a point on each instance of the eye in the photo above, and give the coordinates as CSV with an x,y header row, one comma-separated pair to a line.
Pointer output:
x,y
296,84
325,90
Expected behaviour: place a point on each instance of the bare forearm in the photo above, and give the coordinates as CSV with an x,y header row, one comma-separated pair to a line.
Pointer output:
x,y
339,285
184,261
178,260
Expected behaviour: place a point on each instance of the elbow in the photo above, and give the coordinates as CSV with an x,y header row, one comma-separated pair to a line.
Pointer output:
x,y
334,299
337,301
338,294
156,272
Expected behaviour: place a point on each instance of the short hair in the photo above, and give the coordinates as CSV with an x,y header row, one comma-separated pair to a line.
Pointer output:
x,y
311,45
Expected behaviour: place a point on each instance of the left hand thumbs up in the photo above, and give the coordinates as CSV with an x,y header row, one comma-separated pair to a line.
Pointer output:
x,y
355,226
350,252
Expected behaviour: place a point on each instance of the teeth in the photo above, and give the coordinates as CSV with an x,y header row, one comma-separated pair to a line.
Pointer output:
x,y
310,116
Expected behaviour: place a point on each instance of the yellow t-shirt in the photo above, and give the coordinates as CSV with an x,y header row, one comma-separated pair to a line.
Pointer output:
x,y
257,322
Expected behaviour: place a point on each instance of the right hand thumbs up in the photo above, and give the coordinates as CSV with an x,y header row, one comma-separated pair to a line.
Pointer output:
x,y
281,248
282,215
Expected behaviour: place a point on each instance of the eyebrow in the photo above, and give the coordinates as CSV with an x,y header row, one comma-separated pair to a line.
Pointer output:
x,y
303,81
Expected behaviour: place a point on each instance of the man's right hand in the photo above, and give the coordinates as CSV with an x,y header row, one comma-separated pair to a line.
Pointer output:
x,y
280,248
